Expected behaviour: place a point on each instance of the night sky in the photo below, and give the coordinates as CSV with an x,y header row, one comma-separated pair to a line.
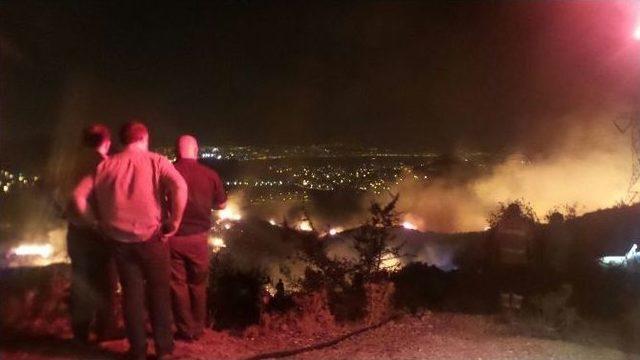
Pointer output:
x,y
414,75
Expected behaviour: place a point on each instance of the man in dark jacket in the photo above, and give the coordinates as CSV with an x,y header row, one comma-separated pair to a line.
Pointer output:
x,y
189,248
93,275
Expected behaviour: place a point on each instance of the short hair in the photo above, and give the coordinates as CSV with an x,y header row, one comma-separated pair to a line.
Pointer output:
x,y
133,131
95,135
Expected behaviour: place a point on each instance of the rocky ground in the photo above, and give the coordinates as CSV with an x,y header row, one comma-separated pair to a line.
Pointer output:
x,y
429,336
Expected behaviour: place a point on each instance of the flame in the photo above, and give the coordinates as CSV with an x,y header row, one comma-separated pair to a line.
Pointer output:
x,y
42,250
230,213
216,243
272,222
409,225
390,263
305,225
270,289
334,231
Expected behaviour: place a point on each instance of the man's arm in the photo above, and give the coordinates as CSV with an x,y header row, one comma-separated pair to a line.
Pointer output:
x,y
80,201
177,187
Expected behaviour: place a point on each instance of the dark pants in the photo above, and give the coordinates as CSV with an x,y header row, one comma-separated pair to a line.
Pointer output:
x,y
93,284
144,273
189,274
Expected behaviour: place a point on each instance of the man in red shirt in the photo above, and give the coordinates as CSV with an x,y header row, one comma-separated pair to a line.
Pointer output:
x,y
128,189
189,249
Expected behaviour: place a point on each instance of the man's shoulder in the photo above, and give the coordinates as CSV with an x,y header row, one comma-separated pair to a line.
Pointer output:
x,y
158,157
210,171
195,166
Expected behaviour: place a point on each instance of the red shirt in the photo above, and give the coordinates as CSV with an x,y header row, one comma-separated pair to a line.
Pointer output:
x,y
129,188
205,193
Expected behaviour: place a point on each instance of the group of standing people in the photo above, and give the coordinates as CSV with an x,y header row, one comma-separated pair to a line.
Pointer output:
x,y
136,214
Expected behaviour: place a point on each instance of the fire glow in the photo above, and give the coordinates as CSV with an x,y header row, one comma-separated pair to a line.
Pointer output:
x,y
216,243
409,225
305,225
230,213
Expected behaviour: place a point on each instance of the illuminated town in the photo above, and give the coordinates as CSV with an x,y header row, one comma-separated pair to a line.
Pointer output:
x,y
291,173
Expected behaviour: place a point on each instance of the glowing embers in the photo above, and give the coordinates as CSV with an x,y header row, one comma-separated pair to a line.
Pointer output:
x,y
216,243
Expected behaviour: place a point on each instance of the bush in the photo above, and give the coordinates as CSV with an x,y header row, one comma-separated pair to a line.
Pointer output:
x,y
235,296
554,307
418,286
344,279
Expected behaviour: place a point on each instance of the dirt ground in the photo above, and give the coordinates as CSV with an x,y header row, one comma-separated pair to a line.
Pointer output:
x,y
430,336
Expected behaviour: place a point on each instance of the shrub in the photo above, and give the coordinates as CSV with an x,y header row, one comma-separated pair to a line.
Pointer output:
x,y
418,286
235,296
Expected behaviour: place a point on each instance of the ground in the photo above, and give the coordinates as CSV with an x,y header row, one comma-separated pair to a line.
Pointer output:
x,y
429,336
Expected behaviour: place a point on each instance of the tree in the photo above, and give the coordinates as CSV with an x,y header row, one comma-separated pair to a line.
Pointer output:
x,y
373,240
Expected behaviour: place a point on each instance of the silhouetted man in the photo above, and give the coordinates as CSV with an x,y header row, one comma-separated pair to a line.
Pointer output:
x,y
93,277
189,249
128,189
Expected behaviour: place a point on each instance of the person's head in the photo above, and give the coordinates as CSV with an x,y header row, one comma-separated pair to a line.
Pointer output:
x,y
134,133
98,137
187,147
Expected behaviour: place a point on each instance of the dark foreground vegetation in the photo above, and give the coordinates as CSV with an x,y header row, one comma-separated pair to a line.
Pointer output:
x,y
322,296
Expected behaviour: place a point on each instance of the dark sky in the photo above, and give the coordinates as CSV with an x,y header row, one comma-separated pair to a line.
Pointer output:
x,y
488,75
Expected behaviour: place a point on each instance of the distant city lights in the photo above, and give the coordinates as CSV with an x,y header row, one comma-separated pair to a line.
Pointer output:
x,y
10,181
